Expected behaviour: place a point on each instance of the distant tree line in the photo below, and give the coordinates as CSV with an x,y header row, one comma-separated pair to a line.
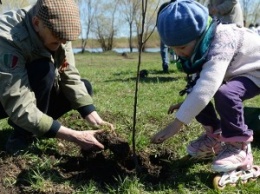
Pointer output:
x,y
104,19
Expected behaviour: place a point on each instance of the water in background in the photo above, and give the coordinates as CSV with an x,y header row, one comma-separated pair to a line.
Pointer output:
x,y
118,50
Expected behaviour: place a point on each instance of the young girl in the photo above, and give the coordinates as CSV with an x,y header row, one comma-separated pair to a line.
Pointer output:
x,y
222,62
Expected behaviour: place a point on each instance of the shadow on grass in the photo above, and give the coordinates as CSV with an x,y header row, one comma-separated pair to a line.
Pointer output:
x,y
149,71
153,76
148,79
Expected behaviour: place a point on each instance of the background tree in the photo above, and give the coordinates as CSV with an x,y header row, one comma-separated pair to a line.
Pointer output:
x,y
103,19
204,2
105,24
251,11
14,4
130,9
150,11
87,8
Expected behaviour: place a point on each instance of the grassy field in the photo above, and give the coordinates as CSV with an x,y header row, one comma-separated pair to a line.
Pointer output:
x,y
54,166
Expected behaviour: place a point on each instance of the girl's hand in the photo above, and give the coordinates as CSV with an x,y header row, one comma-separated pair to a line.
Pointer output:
x,y
167,132
174,107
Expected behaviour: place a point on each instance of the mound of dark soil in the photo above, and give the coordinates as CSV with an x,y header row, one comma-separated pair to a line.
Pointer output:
x,y
124,161
104,167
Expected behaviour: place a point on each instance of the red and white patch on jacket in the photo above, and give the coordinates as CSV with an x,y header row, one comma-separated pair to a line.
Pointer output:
x,y
10,60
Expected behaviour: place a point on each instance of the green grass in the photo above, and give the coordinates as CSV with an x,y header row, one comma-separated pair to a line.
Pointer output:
x,y
114,78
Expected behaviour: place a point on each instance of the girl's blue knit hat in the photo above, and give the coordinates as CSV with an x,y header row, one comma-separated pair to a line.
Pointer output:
x,y
181,22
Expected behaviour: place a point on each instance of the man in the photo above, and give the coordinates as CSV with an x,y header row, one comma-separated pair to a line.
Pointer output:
x,y
227,11
39,80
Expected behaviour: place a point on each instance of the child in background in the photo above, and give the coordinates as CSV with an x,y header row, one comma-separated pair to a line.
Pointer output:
x,y
223,64
227,11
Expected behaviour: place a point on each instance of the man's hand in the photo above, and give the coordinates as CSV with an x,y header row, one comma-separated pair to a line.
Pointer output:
x,y
85,139
96,121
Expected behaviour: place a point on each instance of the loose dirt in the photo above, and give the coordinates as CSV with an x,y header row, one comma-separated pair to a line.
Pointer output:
x,y
103,167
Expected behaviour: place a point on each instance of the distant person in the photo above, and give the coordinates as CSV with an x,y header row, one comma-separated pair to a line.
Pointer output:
x,y
252,27
163,48
165,57
257,28
227,11
39,79
222,63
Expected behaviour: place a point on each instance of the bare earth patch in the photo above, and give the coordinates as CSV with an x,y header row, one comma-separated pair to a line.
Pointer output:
x,y
103,167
